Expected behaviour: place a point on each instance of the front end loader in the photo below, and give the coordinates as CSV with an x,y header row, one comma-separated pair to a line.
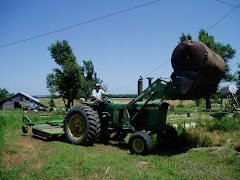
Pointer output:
x,y
197,72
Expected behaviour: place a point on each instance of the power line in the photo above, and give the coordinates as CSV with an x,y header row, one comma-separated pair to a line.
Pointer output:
x,y
142,76
86,22
157,68
227,3
223,17
198,38
169,60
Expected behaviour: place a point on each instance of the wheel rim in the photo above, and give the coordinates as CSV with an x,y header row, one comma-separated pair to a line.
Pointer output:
x,y
138,145
76,126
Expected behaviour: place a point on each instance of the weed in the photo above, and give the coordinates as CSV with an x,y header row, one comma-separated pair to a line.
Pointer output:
x,y
225,124
180,105
60,111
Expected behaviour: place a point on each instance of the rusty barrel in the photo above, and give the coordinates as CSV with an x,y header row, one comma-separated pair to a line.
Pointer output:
x,y
197,69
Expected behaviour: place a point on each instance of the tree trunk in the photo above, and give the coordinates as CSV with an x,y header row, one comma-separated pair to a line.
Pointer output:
x,y
208,103
67,105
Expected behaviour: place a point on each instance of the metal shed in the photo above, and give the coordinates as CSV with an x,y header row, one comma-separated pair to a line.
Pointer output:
x,y
14,101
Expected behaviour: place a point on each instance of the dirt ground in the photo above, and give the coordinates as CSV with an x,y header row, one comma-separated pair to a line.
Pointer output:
x,y
176,102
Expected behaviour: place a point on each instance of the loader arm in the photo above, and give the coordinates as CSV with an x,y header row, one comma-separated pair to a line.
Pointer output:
x,y
159,89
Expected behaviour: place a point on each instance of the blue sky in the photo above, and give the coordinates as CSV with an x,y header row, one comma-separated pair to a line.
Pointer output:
x,y
122,47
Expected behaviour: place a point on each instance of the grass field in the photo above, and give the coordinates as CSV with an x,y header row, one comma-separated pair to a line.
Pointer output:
x,y
59,102
204,152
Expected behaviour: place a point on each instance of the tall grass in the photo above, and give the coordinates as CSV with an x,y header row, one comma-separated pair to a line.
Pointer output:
x,y
207,133
225,124
8,123
2,124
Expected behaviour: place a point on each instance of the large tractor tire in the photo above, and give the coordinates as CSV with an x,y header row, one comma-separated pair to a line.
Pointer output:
x,y
140,143
81,125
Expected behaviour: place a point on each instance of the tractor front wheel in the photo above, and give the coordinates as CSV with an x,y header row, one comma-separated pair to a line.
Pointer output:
x,y
140,143
81,125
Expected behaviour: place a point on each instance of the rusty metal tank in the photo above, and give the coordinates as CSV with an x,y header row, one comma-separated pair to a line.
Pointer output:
x,y
197,69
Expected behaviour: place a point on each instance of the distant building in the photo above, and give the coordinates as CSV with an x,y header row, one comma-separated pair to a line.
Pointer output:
x,y
14,101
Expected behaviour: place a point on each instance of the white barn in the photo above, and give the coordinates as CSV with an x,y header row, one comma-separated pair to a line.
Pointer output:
x,y
14,101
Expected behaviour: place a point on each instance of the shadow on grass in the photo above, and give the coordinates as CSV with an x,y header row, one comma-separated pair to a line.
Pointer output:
x,y
170,149
121,145
24,135
54,138
159,149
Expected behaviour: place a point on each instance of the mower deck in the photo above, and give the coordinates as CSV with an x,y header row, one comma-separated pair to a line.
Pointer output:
x,y
47,131
44,130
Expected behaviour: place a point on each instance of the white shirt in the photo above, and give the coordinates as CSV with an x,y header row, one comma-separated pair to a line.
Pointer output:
x,y
98,94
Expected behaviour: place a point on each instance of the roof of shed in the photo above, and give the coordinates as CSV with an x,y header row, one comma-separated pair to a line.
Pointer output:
x,y
22,94
30,97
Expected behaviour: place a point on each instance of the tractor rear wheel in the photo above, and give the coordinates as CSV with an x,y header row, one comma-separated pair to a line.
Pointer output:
x,y
140,143
81,125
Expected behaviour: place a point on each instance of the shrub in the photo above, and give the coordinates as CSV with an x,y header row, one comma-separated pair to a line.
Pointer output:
x,y
193,137
180,105
207,133
225,124
198,102
51,102
60,111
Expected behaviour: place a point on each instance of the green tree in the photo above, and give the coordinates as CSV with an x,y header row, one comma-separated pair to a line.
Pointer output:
x,y
4,94
88,69
90,80
68,79
225,51
184,37
52,102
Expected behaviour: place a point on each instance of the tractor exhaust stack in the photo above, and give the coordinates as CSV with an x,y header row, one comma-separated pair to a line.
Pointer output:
x,y
140,85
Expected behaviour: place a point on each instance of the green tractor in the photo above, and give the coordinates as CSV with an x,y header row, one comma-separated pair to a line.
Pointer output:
x,y
197,72
85,123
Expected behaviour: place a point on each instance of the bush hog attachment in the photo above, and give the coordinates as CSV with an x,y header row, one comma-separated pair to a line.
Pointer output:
x,y
197,72
45,130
